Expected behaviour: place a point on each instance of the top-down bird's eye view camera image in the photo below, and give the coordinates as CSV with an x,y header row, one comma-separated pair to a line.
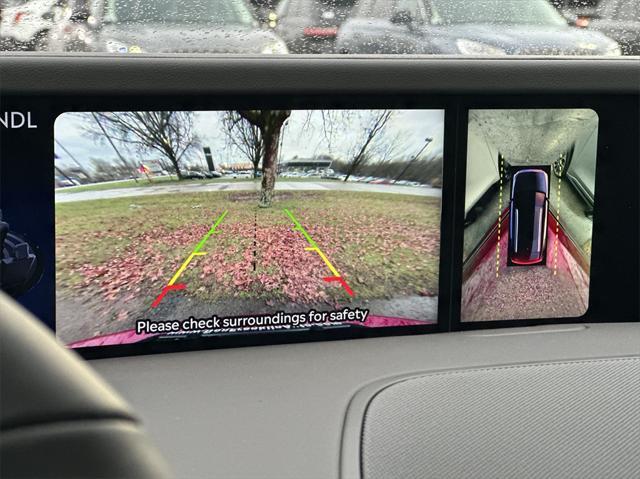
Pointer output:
x,y
530,192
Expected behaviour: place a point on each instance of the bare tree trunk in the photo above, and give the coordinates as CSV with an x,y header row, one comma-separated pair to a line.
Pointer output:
x,y
350,171
377,125
355,164
271,138
256,163
270,123
174,163
347,176
413,160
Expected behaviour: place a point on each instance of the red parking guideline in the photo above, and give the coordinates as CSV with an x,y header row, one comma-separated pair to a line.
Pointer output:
x,y
171,285
341,280
165,290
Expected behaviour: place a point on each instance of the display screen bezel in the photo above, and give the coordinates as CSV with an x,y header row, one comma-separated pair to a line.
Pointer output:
x,y
611,297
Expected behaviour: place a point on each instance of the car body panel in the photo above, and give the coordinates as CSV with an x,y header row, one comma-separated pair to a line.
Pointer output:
x,y
240,33
178,38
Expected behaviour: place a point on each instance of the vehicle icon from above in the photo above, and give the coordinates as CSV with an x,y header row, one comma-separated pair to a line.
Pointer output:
x,y
528,209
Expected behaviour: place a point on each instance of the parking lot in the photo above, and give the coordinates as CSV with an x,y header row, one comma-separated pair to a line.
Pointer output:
x,y
67,195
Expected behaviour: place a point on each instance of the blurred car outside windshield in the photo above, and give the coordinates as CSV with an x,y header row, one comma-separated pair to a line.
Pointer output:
x,y
426,27
179,11
496,12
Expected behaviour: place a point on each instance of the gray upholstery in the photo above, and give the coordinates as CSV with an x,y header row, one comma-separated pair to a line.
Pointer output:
x,y
281,411
566,419
57,418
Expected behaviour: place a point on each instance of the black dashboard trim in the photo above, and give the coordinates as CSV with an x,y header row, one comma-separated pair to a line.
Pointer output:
x,y
86,74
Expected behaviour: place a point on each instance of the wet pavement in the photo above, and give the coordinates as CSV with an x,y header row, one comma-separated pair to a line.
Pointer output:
x,y
67,196
557,290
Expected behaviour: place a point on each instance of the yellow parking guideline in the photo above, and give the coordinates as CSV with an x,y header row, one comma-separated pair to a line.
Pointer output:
x,y
324,258
196,251
555,246
501,171
314,247
184,266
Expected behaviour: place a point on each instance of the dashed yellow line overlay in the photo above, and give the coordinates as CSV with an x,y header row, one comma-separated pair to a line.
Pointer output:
x,y
555,245
501,168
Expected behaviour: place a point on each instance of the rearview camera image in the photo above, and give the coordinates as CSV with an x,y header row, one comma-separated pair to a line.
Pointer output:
x,y
529,198
174,224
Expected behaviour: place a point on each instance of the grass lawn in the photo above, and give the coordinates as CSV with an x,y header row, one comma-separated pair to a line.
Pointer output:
x,y
113,185
383,245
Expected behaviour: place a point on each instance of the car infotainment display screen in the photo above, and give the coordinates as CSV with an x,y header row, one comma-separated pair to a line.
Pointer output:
x,y
161,224
172,224
529,208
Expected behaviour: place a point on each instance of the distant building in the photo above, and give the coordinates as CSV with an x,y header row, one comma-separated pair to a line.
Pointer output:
x,y
248,166
318,164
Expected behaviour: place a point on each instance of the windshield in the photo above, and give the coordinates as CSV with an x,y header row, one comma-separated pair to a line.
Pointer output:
x,y
233,12
509,12
13,3
332,27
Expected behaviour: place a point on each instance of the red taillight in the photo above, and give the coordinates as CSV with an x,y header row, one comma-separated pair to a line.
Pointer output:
x,y
583,22
525,262
320,31
18,17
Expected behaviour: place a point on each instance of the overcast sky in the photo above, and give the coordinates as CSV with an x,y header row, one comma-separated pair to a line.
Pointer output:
x,y
304,136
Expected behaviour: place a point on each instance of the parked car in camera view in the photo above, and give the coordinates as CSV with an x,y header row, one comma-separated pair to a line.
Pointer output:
x,y
468,27
311,26
177,26
529,206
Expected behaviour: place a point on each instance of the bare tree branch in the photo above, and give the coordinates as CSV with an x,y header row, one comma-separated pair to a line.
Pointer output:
x,y
376,126
269,123
245,137
169,133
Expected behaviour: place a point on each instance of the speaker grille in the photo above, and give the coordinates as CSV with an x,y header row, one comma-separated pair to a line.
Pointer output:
x,y
576,419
